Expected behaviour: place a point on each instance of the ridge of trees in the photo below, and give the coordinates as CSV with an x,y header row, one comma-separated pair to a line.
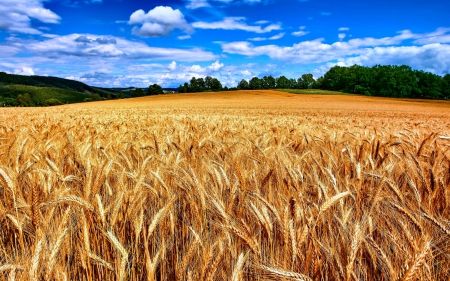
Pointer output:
x,y
387,81
201,85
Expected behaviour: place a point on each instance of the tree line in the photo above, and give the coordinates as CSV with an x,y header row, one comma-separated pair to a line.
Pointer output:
x,y
387,81
201,85
379,80
306,81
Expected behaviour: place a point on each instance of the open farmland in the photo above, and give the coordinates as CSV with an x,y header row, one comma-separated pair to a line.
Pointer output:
x,y
257,185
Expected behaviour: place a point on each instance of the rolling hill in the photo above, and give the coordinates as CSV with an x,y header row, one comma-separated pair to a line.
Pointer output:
x,y
44,90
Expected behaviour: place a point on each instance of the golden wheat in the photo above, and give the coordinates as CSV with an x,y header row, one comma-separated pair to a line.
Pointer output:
x,y
237,186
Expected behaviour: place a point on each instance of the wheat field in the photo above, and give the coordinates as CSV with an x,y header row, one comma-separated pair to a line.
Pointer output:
x,y
256,185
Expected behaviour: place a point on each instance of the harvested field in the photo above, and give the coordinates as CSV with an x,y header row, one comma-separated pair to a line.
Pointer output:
x,y
248,185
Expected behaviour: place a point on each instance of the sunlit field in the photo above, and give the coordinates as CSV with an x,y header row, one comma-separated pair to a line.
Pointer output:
x,y
256,185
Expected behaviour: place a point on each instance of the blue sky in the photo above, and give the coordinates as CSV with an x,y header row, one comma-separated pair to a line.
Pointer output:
x,y
122,43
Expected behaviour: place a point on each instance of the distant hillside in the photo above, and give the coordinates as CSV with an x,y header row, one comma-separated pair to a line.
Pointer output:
x,y
44,90
44,81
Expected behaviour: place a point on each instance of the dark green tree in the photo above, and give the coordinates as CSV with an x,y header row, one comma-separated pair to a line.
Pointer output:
x,y
429,85
194,87
52,102
155,89
282,82
137,93
318,83
24,100
255,83
182,89
270,82
216,85
201,85
209,82
187,87
243,85
96,97
10,102
307,81
445,86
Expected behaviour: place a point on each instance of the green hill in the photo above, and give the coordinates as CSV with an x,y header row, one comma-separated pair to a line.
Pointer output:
x,y
44,90
39,95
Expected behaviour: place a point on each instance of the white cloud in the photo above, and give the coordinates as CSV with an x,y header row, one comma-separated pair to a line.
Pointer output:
x,y
275,37
257,39
341,36
94,47
236,23
441,35
16,15
184,37
246,73
216,66
431,57
195,4
160,21
24,71
278,36
125,63
173,65
183,73
325,14
300,32
344,29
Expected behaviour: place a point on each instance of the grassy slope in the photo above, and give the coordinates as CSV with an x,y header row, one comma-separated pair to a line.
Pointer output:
x,y
40,94
42,88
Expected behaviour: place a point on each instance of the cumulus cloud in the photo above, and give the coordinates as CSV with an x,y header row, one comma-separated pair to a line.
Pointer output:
x,y
160,21
432,57
24,71
173,65
16,15
216,66
341,36
344,29
236,23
